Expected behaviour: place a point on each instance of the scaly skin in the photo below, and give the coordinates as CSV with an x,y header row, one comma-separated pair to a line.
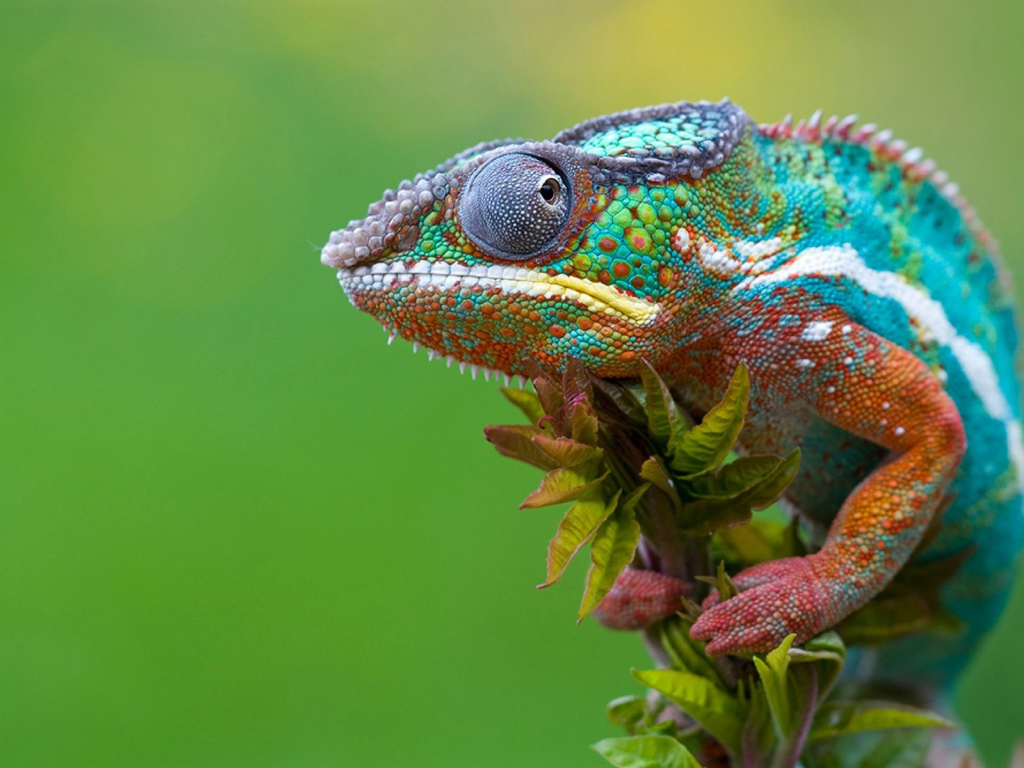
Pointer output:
x,y
859,288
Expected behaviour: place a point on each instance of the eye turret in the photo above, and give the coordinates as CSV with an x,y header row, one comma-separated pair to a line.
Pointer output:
x,y
515,206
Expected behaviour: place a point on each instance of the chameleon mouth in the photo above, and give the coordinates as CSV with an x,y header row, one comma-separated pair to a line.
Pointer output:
x,y
596,297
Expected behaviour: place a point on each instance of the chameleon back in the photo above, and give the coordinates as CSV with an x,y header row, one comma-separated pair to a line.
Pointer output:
x,y
903,254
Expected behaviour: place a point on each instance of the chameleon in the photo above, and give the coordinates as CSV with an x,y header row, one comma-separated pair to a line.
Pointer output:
x,y
861,290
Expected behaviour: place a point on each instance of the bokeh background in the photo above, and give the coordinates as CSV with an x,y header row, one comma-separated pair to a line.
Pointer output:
x,y
236,529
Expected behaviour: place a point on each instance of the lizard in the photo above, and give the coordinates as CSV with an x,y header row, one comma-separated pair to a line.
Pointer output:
x,y
859,287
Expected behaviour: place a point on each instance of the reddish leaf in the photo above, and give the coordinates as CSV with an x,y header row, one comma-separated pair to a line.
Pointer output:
x,y
516,441
567,453
561,485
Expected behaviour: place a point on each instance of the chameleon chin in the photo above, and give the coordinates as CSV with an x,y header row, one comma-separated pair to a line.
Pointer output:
x,y
863,293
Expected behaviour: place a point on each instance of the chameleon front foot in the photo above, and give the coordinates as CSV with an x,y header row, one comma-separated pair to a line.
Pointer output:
x,y
777,599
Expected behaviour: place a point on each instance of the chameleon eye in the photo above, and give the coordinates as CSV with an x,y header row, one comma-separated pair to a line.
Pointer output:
x,y
515,206
550,189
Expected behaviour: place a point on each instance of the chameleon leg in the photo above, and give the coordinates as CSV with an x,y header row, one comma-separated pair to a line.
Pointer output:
x,y
640,598
875,389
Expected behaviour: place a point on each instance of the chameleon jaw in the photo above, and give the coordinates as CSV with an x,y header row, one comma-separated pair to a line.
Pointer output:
x,y
596,297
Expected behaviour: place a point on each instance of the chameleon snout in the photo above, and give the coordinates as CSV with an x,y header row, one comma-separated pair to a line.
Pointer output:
x,y
390,225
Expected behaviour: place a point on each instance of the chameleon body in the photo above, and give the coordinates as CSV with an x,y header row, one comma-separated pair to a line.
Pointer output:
x,y
860,289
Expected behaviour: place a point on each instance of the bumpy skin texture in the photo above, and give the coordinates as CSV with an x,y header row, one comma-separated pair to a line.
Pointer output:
x,y
860,289
640,598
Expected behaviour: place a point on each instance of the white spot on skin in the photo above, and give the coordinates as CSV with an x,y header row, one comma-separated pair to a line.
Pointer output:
x,y
844,261
718,261
847,329
848,360
756,250
805,363
817,331
885,406
681,240
900,431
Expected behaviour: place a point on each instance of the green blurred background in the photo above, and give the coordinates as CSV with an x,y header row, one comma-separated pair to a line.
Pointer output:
x,y
239,530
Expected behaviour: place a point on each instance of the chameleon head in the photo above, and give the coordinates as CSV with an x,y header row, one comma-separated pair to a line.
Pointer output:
x,y
511,251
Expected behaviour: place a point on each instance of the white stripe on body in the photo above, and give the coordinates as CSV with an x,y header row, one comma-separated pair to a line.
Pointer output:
x,y
844,261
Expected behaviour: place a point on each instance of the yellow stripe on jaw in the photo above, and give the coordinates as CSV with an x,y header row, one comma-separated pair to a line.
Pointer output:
x,y
638,311
440,275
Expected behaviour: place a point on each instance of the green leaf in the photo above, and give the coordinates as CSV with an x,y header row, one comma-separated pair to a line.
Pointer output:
x,y
578,527
663,418
828,653
756,542
773,671
567,452
708,444
516,442
686,653
770,489
561,485
898,750
881,749
722,583
584,422
842,717
525,401
758,740
634,497
626,712
613,549
885,619
734,478
945,622
708,515
718,712
653,472
803,681
646,752
699,518
622,396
